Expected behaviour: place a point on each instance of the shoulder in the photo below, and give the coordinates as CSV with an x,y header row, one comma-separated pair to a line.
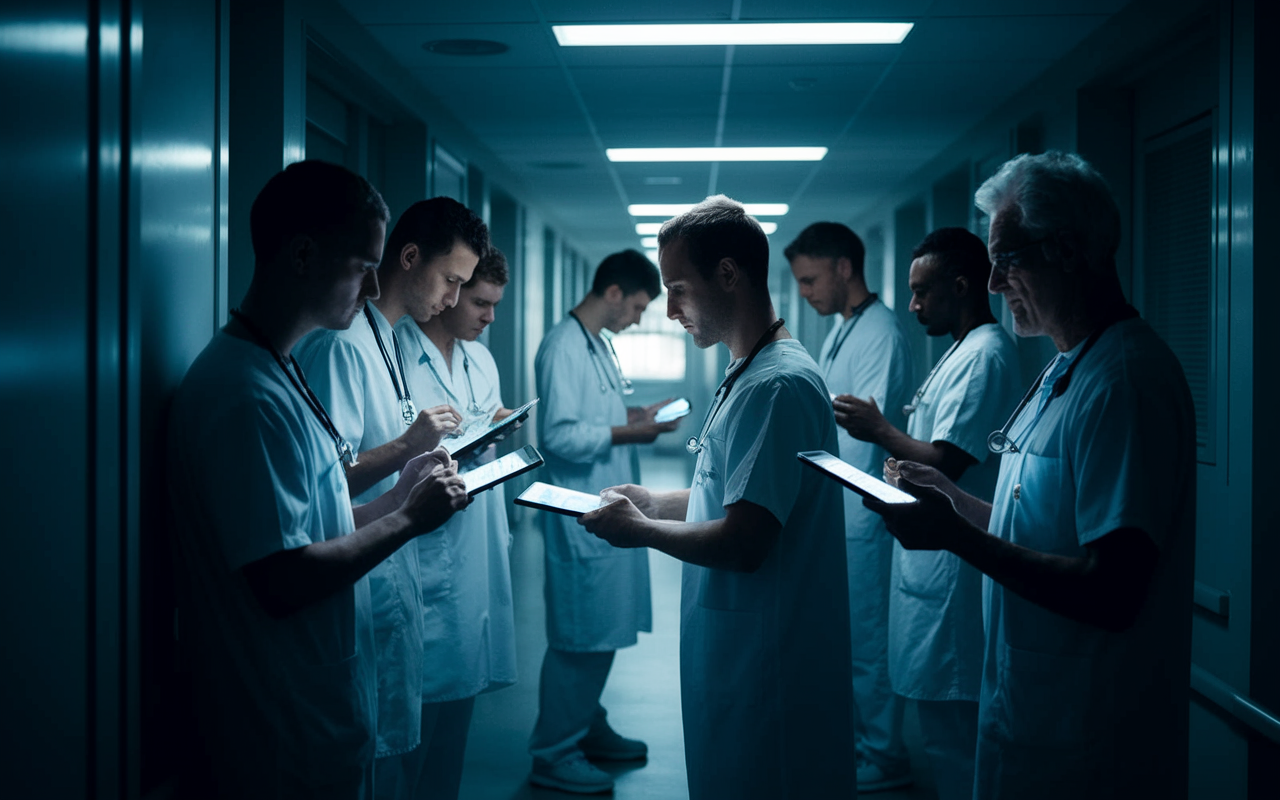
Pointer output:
x,y
988,344
480,354
322,345
563,335
787,371
879,323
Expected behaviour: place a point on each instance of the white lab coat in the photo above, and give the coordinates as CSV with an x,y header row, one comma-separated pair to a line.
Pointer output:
x,y
287,706
764,657
597,595
1067,709
873,359
467,615
935,607
347,372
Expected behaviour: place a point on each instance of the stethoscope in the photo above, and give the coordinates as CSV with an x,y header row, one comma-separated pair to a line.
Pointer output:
x,y
999,441
910,408
696,443
602,372
473,408
407,411
854,316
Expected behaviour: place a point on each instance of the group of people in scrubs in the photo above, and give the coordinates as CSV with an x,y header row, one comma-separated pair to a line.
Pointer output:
x,y
348,601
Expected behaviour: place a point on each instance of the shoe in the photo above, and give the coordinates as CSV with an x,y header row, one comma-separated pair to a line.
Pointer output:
x,y
571,774
871,778
603,743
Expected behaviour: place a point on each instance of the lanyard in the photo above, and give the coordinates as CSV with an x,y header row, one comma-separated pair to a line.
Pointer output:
x,y
397,379
602,373
999,441
345,454
911,407
695,443
473,407
852,322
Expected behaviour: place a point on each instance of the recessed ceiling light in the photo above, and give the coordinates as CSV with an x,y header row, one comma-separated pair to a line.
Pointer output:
x,y
652,228
806,33
465,47
672,209
715,153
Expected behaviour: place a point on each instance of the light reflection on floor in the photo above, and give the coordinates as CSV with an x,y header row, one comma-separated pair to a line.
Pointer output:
x,y
643,693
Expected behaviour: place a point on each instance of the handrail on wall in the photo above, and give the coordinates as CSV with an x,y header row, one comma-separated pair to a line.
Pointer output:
x,y
1235,704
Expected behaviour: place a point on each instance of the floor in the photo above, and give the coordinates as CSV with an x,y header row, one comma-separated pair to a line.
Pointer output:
x,y
643,693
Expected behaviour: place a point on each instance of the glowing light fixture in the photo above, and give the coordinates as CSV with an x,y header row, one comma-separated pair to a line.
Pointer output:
x,y
649,242
652,228
653,256
744,33
672,209
631,154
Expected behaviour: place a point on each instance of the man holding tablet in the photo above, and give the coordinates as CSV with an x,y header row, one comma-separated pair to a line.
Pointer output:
x,y
935,603
361,374
1092,538
764,636
467,616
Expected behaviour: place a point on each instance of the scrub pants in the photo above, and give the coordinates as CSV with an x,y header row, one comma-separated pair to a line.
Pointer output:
x,y
568,702
950,732
433,769
877,719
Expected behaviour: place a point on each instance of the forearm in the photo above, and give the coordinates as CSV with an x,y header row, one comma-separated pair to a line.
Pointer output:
x,y
705,544
1070,586
290,580
377,464
375,509
671,505
904,448
637,433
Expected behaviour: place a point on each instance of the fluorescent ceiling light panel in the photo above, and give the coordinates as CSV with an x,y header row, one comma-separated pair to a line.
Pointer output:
x,y
653,256
649,242
672,209
733,33
647,154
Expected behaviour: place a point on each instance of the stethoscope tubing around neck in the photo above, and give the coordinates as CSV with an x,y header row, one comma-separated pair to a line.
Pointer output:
x,y
398,380
602,370
695,443
472,407
855,316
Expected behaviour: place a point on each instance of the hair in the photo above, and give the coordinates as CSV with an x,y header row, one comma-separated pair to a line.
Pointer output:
x,y
434,226
491,269
631,271
1057,191
958,253
310,198
719,228
829,240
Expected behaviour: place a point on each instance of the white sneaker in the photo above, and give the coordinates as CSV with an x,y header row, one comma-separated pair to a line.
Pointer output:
x,y
573,774
603,743
871,778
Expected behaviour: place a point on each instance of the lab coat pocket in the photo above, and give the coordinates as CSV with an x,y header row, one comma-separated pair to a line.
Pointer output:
x,y
927,574
329,726
1043,506
1046,700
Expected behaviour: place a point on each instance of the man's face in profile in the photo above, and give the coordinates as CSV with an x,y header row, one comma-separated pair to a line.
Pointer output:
x,y
347,272
820,282
694,302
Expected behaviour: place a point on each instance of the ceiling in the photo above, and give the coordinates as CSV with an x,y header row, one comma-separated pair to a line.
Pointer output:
x,y
883,110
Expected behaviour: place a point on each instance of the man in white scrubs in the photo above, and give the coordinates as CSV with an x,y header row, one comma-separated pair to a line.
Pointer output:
x,y
597,596
360,376
866,356
764,641
935,605
276,605
466,612
1089,555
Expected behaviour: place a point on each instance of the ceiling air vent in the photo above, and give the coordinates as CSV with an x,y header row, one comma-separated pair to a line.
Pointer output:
x,y
465,47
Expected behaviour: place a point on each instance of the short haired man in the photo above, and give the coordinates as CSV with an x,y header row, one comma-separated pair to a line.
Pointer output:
x,y
275,557
764,640
597,595
865,356
1089,555
466,610
935,604
360,375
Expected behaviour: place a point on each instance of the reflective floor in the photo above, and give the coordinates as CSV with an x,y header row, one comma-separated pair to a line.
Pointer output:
x,y
642,696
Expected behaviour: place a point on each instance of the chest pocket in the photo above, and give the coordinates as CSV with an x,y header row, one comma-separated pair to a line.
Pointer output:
x,y
1043,505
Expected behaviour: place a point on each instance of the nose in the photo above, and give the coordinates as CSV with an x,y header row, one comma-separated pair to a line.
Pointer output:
x,y
487,316
997,283
914,305
451,299
805,290
672,308
370,286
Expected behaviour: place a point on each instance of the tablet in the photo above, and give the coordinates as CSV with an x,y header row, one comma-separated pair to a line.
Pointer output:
x,y
854,478
486,476
673,410
558,499
477,437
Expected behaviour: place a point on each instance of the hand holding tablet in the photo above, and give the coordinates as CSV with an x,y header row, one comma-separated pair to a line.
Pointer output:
x,y
558,499
854,478
503,469
477,437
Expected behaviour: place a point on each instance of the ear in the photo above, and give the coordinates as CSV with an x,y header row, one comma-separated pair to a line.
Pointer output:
x,y
301,249
1070,250
408,255
844,268
613,294
962,286
728,274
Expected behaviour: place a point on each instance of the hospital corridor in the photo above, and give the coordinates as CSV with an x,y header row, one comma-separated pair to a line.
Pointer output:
x,y
671,400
